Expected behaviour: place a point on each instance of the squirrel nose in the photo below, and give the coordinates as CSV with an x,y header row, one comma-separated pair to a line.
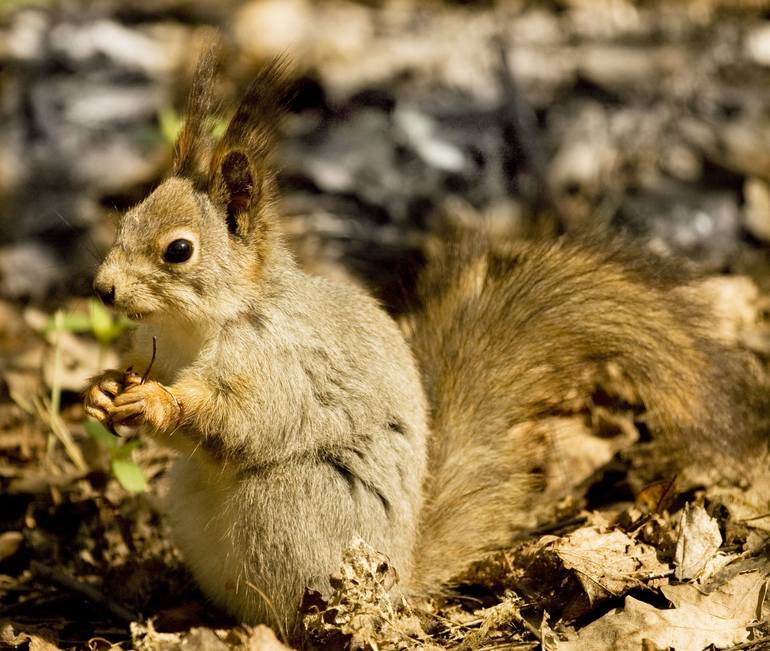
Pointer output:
x,y
106,294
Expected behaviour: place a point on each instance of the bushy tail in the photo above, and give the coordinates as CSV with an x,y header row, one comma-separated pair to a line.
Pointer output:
x,y
506,334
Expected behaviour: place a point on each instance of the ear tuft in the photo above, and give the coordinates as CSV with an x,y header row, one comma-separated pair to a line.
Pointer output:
x,y
194,141
240,188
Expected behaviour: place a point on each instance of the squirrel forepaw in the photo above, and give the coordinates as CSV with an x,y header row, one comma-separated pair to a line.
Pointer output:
x,y
150,403
100,396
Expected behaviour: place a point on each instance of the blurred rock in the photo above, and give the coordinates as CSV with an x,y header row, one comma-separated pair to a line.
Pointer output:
x,y
79,105
740,146
401,111
28,270
268,28
106,41
25,38
420,131
606,19
756,212
680,220
758,44
630,68
681,162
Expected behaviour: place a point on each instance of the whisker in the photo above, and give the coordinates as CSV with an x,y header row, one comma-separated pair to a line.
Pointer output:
x,y
91,245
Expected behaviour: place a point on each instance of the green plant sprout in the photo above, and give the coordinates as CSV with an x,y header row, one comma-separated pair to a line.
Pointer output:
x,y
99,321
10,5
105,328
171,123
122,464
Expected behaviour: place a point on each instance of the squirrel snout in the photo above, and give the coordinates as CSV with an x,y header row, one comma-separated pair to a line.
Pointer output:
x,y
106,293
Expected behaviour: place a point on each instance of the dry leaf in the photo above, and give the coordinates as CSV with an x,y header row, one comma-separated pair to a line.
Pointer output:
x,y
144,637
504,618
10,541
698,541
261,638
736,600
360,613
685,629
607,563
737,592
39,641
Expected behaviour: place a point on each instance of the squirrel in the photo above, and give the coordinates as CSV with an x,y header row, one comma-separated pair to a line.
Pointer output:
x,y
305,417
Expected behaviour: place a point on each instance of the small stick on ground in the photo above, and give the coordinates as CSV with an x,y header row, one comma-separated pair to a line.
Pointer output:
x,y
71,584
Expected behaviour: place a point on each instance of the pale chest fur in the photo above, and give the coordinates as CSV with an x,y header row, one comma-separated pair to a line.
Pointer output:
x,y
178,346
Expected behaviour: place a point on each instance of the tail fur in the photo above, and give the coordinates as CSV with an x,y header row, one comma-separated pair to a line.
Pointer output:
x,y
508,332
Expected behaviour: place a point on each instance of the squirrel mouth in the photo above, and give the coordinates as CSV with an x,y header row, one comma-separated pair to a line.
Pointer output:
x,y
134,316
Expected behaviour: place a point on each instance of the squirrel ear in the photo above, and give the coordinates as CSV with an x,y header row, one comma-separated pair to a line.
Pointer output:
x,y
239,191
241,179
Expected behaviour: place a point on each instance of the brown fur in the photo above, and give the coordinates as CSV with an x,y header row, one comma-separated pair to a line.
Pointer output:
x,y
195,137
298,406
508,331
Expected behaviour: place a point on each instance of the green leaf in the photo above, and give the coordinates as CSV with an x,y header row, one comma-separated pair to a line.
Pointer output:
x,y
127,448
123,323
218,129
170,124
101,434
70,321
122,464
128,474
101,322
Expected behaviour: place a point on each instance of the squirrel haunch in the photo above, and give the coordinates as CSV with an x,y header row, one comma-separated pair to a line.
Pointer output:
x,y
303,414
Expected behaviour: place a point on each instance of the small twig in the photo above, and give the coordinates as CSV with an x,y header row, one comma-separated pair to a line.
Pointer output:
x,y
533,630
756,517
281,626
126,375
762,643
656,576
558,526
71,584
152,359
34,600
523,152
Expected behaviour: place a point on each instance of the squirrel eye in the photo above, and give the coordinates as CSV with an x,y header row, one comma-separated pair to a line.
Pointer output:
x,y
178,251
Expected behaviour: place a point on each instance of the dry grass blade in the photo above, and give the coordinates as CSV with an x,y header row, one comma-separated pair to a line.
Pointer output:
x,y
54,421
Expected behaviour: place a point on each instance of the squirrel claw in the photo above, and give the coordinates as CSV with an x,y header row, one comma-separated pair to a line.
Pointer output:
x,y
149,403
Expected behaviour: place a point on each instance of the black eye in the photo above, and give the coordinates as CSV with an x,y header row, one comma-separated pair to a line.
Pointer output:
x,y
178,251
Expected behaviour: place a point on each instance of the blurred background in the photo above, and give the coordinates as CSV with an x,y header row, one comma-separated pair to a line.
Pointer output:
x,y
408,117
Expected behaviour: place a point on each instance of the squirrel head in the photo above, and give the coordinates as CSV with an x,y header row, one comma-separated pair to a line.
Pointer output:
x,y
199,245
